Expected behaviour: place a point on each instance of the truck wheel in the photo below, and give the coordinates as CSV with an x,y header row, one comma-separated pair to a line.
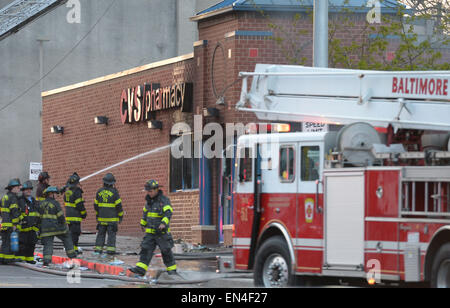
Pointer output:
x,y
272,264
440,271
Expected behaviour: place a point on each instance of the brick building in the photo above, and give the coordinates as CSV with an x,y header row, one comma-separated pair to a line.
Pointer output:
x,y
233,37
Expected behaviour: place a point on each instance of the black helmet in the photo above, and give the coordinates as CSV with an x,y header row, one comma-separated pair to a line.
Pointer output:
x,y
43,176
109,179
73,180
51,189
12,183
27,185
152,184
76,176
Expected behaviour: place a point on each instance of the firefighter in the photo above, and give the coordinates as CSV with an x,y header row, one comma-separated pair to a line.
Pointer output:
x,y
75,210
53,223
155,221
11,216
28,227
44,180
109,213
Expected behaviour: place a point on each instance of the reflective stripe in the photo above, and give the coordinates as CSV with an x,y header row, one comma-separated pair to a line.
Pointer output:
x,y
167,208
142,265
70,204
145,209
52,233
5,210
111,248
165,220
153,231
143,222
172,268
19,227
108,219
156,215
79,200
15,220
106,205
33,214
118,201
120,214
49,216
74,219
7,224
59,214
83,212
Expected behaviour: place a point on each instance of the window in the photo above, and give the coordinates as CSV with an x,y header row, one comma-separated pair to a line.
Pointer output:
x,y
245,165
310,163
184,171
287,165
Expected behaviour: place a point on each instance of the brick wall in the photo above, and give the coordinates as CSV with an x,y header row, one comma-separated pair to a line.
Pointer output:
x,y
86,147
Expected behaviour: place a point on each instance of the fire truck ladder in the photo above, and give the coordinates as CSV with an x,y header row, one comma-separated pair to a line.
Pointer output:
x,y
19,13
405,100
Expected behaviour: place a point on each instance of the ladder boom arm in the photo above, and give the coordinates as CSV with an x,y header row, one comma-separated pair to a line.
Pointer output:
x,y
408,100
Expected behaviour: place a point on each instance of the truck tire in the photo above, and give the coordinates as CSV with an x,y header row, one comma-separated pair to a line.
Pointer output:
x,y
440,270
273,264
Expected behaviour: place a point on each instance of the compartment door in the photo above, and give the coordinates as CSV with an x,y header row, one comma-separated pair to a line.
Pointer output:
x,y
344,220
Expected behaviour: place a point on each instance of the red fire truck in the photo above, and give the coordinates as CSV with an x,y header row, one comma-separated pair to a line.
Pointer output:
x,y
369,199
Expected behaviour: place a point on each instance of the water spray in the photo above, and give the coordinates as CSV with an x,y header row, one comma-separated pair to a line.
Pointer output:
x,y
126,161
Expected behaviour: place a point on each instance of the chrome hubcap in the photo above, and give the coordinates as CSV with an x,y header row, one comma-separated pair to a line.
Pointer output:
x,y
275,272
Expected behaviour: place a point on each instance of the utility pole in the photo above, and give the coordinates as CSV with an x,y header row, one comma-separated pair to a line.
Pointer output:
x,y
320,49
320,30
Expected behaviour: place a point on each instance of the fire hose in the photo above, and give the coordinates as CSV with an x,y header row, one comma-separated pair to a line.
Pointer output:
x,y
129,279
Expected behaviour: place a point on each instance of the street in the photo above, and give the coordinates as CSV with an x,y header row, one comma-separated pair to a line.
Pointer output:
x,y
17,277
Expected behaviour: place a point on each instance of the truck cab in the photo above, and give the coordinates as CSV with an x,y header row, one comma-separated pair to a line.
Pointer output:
x,y
278,191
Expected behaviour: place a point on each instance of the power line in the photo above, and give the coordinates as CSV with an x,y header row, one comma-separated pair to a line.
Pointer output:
x,y
61,60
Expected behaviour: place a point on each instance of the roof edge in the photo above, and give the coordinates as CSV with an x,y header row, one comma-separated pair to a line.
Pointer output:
x,y
212,13
288,8
119,74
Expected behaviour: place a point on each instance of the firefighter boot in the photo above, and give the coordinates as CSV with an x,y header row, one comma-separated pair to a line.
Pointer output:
x,y
138,271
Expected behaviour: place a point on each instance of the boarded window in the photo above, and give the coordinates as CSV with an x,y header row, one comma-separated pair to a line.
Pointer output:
x,y
184,172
